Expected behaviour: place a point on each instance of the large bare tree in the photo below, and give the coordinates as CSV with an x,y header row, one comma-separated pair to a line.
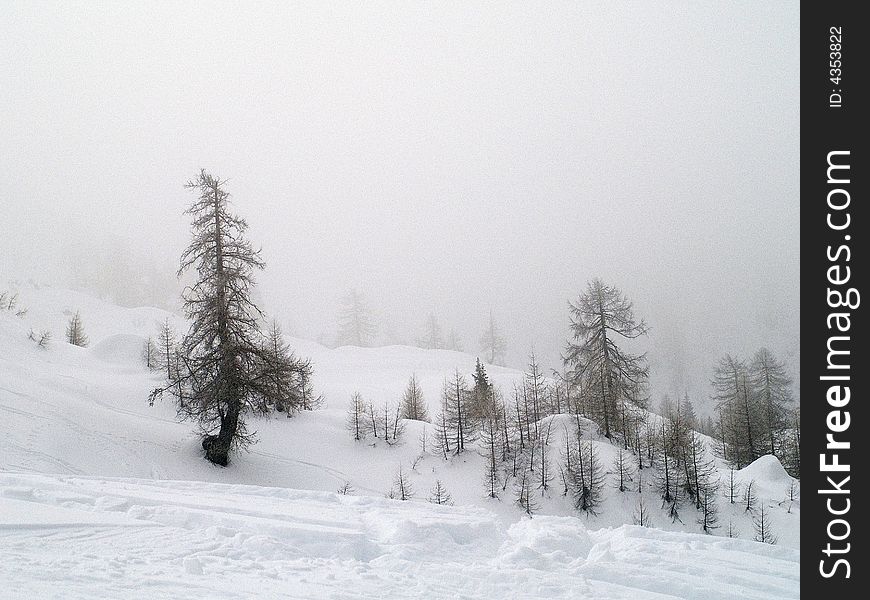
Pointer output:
x,y
226,368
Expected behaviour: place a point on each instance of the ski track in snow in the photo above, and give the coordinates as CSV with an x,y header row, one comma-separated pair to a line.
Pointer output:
x,y
73,537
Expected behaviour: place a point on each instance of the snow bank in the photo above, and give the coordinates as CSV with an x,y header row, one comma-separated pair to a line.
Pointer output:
x,y
767,469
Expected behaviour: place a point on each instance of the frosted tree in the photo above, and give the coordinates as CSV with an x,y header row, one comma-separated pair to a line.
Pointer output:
x,y
149,353
641,514
357,421
402,488
732,488
42,339
772,385
441,434
732,531
750,499
413,403
534,386
489,445
166,349
456,403
539,448
391,425
454,342
439,494
586,478
524,491
668,475
761,521
481,398
223,351
75,331
280,374
623,470
701,473
308,398
433,339
600,318
792,450
356,326
738,414
492,343
709,515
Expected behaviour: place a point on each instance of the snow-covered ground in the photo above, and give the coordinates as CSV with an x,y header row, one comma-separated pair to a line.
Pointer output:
x,y
75,537
104,496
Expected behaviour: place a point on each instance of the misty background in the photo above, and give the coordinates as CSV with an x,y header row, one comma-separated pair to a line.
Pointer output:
x,y
449,159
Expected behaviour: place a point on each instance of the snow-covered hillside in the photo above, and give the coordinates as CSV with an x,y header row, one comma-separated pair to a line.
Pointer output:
x,y
104,494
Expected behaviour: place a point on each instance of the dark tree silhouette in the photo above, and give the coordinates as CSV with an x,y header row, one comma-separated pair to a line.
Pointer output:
x,y
225,371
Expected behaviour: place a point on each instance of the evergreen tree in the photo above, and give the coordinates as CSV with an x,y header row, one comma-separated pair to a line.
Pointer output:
x,y
413,404
492,343
601,317
481,398
75,332
356,325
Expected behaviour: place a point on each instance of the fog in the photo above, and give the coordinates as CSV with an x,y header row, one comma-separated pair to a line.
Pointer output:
x,y
453,159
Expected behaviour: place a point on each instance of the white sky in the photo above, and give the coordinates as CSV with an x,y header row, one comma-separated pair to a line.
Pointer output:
x,y
440,157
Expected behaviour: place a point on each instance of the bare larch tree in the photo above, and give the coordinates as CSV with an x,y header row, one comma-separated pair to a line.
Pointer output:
x,y
600,317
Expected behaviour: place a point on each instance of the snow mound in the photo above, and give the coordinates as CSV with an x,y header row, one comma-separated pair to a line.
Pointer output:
x,y
122,348
546,539
767,469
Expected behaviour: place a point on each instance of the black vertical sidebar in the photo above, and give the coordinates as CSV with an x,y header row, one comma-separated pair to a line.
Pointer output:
x,y
833,323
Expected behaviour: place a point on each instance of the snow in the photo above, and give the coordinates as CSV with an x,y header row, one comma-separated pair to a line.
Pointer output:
x,y
102,495
89,537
